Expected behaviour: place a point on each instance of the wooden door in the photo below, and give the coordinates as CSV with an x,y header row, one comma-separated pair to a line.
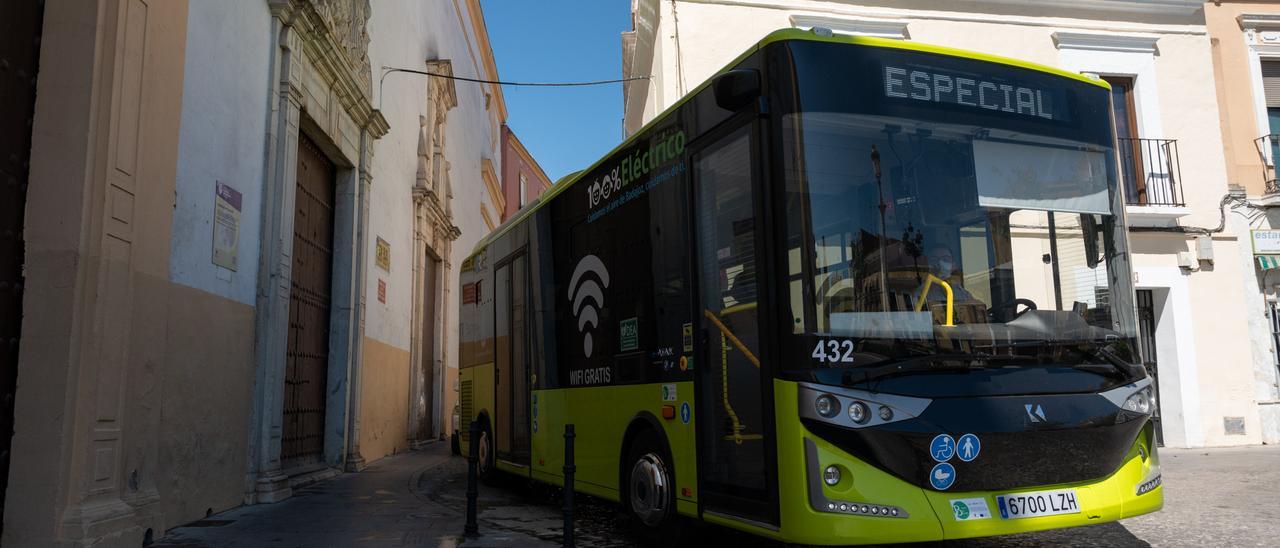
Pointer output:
x,y
430,317
307,358
1129,146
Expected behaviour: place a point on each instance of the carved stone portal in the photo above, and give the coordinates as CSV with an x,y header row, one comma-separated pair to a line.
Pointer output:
x,y
348,21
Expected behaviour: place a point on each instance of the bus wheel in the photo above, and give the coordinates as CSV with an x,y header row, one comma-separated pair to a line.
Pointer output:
x,y
650,486
484,456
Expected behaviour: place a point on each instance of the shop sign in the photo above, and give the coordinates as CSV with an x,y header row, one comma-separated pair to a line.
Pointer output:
x,y
1266,242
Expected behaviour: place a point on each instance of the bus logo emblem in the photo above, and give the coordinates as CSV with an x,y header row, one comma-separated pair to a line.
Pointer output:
x,y
1035,412
587,296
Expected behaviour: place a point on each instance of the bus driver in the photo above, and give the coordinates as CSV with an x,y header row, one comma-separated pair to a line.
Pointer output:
x,y
942,264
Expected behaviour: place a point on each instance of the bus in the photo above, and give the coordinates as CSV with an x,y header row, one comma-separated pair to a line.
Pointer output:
x,y
848,290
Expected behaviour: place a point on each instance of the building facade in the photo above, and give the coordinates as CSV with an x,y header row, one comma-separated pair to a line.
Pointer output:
x,y
1203,325
1246,39
522,178
236,263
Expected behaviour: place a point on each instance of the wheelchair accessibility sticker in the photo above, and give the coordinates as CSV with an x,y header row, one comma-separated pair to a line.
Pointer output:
x,y
942,448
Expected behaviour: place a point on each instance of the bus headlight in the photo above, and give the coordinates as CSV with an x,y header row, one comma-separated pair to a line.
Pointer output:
x,y
1142,401
826,405
859,412
886,413
831,475
852,408
1134,401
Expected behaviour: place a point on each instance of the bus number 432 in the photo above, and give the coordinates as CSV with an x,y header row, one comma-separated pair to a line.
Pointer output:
x,y
833,351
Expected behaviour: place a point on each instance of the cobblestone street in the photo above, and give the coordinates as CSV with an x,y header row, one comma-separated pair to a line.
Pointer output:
x,y
1214,497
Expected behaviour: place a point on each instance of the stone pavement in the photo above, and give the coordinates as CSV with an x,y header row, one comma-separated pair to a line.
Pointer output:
x,y
380,506
1213,497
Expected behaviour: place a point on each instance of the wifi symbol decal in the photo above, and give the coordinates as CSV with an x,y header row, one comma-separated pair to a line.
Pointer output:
x,y
587,296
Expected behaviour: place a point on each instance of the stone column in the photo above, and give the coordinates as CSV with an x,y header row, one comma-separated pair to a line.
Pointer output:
x,y
275,261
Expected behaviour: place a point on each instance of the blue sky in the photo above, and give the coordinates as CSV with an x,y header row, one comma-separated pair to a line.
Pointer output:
x,y
566,129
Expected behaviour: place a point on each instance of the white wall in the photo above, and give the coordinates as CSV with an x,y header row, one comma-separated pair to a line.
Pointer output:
x,y
405,34
224,116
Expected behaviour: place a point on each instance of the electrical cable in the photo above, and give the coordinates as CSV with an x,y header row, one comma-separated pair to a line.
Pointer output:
x,y
388,70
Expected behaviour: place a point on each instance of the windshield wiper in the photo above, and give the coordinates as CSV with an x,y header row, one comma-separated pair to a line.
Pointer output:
x,y
925,363
1094,349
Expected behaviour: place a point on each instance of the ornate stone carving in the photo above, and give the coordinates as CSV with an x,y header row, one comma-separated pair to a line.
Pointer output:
x,y
348,21
422,185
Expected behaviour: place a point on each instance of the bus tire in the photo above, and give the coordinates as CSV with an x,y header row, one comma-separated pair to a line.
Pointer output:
x,y
648,488
486,470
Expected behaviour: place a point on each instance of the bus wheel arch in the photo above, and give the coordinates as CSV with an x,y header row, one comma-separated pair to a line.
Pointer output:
x,y
647,451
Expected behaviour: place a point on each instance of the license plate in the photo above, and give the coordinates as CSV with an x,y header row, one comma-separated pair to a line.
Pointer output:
x,y
1039,503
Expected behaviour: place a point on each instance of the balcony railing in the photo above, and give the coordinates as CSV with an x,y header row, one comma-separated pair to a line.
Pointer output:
x,y
1152,171
1268,148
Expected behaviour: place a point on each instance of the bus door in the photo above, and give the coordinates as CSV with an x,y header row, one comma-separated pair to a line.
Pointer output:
x,y
737,459
511,371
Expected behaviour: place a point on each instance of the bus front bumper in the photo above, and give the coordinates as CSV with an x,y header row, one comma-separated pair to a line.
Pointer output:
x,y
868,505
808,517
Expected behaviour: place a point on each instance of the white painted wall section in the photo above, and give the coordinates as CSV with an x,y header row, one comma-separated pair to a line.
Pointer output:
x,y
224,116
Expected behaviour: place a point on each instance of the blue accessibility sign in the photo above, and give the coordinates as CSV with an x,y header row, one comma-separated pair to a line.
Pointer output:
x,y
942,476
942,448
968,447
686,412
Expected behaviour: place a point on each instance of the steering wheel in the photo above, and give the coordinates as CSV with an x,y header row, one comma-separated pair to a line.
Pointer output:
x,y
1028,303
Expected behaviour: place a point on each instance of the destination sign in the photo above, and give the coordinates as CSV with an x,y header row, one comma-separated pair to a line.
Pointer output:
x,y
969,91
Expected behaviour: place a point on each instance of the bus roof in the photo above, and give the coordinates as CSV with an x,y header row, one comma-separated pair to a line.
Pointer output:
x,y
782,35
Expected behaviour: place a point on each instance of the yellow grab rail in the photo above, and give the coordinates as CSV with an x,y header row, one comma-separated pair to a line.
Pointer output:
x,y
924,296
725,337
733,338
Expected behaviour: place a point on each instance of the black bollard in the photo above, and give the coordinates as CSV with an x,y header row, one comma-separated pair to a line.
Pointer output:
x,y
473,464
569,468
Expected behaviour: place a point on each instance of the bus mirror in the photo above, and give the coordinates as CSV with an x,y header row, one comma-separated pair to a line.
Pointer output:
x,y
736,89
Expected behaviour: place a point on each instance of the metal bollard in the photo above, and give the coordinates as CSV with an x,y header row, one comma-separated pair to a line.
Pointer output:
x,y
473,465
569,468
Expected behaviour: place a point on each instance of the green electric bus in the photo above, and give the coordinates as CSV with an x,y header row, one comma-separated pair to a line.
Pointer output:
x,y
849,290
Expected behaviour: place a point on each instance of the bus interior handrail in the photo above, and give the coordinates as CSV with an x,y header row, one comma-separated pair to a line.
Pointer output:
x,y
924,297
732,338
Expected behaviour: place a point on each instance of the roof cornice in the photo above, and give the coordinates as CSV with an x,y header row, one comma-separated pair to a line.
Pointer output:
x,y
1259,21
486,52
1162,7
1101,9
1106,42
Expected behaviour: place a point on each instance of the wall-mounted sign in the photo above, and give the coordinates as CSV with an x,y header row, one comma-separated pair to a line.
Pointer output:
x,y
226,225
382,255
1266,242
382,291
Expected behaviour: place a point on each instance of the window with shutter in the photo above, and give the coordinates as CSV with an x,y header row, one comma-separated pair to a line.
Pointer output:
x,y
1271,83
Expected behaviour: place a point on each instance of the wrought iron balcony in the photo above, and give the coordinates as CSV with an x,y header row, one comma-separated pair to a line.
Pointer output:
x,y
1151,172
1268,148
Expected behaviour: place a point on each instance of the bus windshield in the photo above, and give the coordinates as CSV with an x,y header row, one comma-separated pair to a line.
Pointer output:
x,y
945,244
